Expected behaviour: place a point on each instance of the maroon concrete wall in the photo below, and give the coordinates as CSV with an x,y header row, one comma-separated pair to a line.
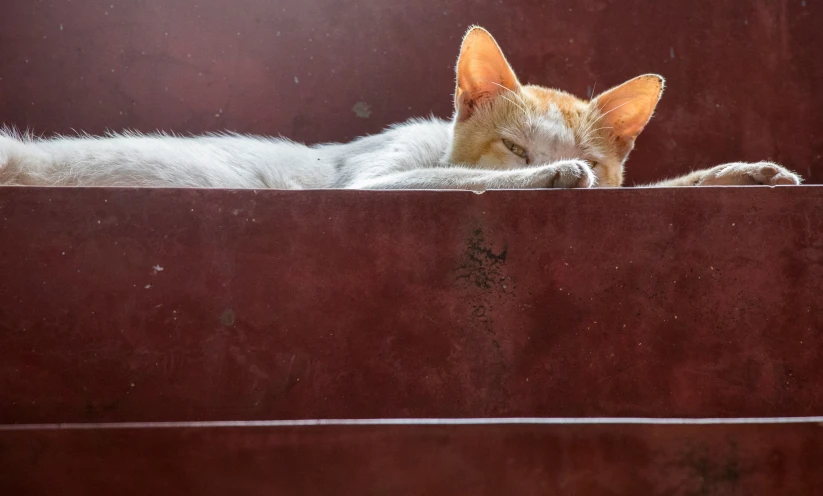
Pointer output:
x,y
744,76
160,305
581,460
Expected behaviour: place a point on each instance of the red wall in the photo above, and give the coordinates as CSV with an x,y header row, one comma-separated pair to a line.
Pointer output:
x,y
182,305
744,77
443,460
164,305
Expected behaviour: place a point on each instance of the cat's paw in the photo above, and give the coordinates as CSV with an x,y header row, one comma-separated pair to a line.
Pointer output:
x,y
568,174
749,174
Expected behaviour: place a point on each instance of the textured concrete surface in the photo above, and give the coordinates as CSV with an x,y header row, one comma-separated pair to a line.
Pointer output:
x,y
160,305
585,460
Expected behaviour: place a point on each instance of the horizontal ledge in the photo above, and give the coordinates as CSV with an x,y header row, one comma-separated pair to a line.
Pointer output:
x,y
413,422
395,191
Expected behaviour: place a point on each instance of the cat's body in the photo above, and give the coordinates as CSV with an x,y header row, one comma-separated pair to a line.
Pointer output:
x,y
411,155
503,135
222,160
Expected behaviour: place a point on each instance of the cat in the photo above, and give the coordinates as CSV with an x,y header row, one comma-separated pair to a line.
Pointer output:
x,y
503,135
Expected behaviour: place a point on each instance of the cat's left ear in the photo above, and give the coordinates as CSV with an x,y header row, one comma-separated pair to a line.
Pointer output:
x,y
627,108
482,72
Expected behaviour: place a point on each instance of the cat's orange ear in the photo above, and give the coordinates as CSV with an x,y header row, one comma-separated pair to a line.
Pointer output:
x,y
482,72
627,108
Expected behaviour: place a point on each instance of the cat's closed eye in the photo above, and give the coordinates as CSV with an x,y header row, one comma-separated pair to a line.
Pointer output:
x,y
516,149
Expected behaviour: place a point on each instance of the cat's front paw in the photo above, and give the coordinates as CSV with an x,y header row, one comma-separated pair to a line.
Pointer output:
x,y
749,174
568,174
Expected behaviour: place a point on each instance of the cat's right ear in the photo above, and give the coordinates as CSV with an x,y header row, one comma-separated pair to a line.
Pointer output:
x,y
482,72
626,109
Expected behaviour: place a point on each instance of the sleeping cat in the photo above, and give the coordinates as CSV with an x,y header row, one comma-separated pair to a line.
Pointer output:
x,y
503,135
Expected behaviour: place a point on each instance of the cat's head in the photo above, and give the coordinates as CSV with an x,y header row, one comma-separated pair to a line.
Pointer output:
x,y
502,124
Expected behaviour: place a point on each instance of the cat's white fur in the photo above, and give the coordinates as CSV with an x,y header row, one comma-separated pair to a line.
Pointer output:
x,y
215,161
411,155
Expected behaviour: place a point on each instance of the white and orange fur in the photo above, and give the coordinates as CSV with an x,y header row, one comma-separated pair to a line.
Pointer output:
x,y
503,135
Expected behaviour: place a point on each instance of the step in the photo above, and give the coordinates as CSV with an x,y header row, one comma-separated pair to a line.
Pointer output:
x,y
136,305
459,457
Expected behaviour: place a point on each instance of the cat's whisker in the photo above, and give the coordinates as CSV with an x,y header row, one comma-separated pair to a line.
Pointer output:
x,y
516,95
589,134
607,113
589,140
586,132
612,110
515,104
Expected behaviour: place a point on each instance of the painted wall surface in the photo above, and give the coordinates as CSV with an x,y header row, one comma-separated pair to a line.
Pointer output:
x,y
182,305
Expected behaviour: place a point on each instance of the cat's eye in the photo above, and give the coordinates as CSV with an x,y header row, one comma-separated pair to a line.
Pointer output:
x,y
594,164
516,149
